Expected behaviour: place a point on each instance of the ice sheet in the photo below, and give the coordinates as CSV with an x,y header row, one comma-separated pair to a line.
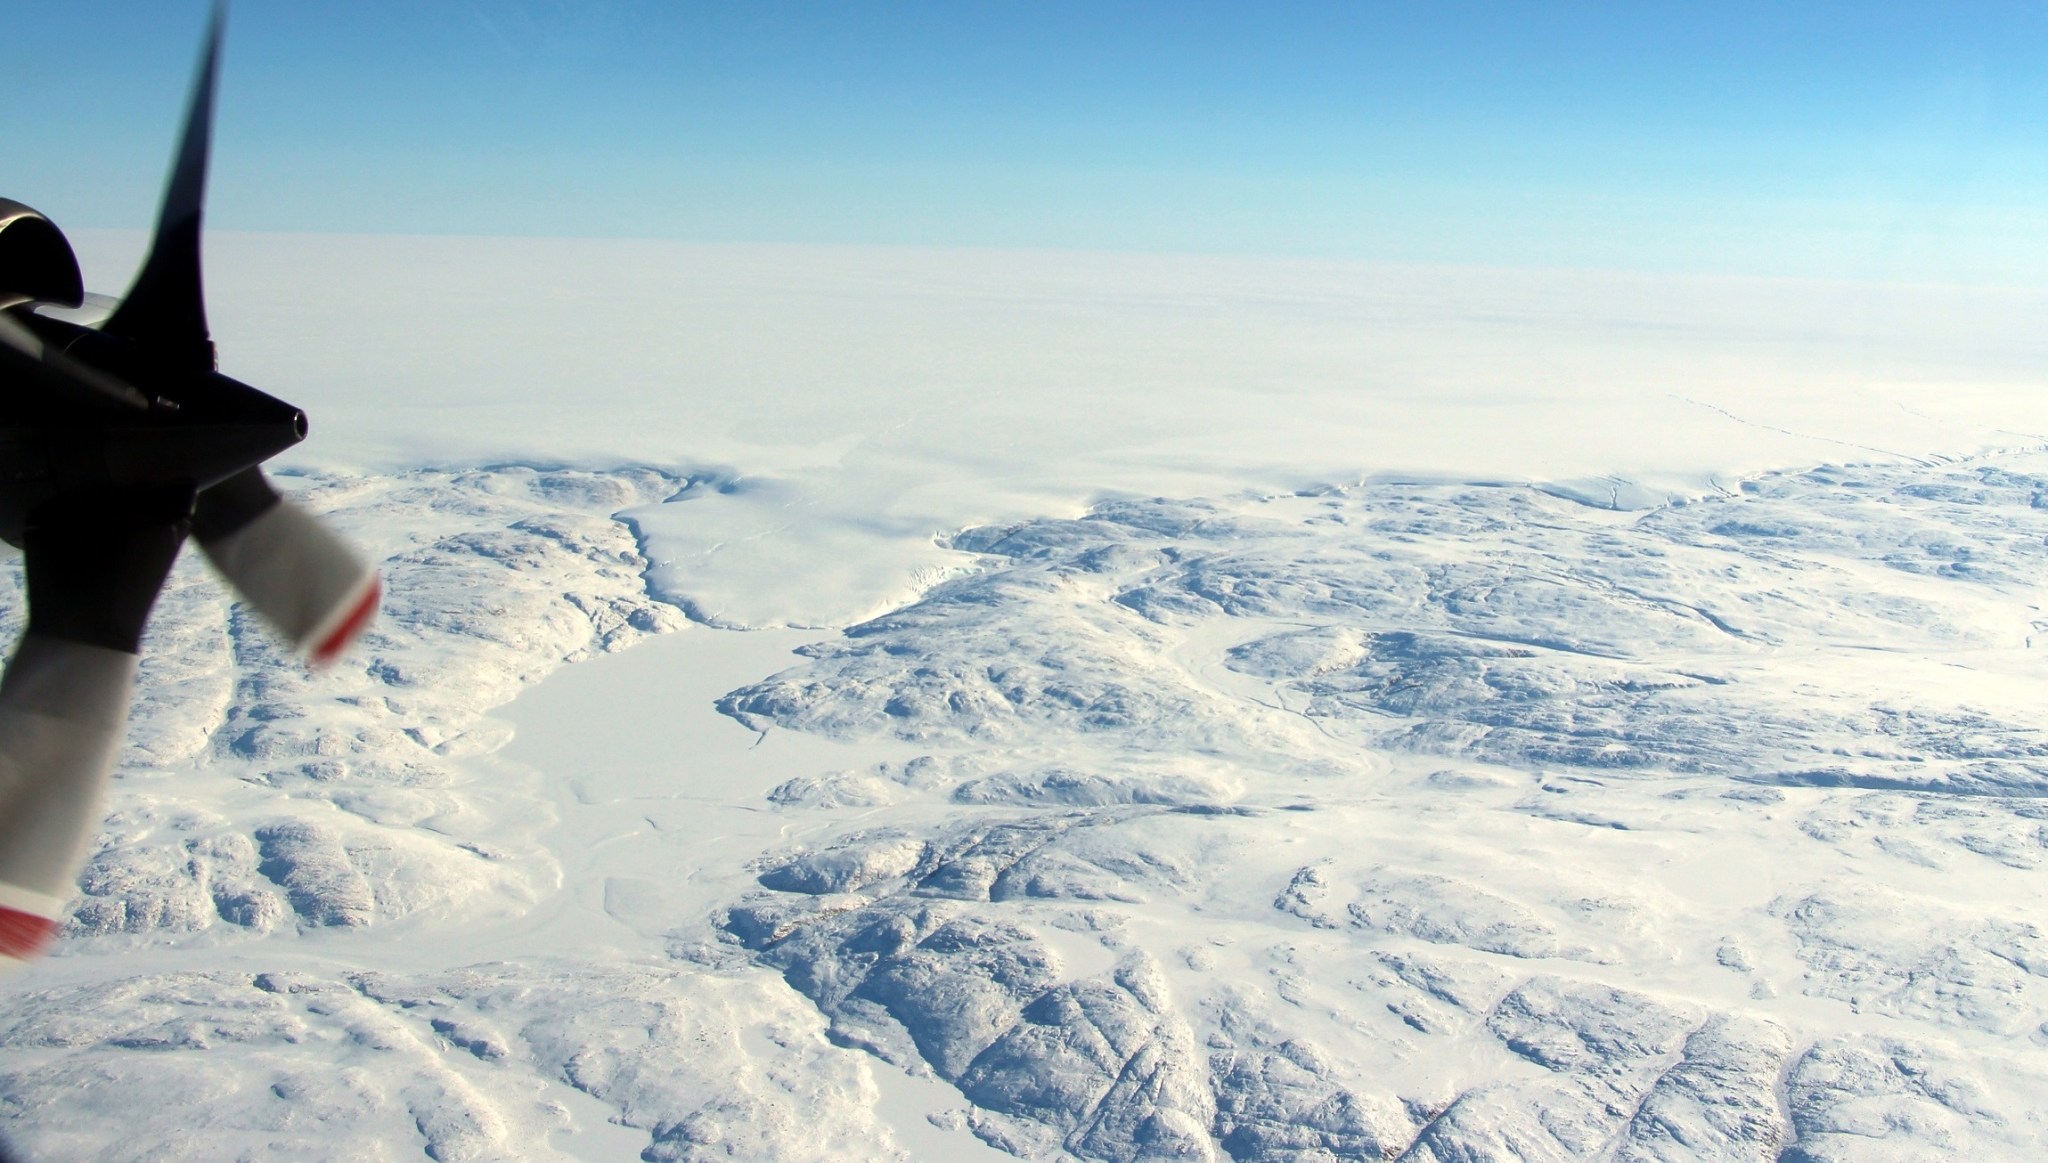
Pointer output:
x,y
849,403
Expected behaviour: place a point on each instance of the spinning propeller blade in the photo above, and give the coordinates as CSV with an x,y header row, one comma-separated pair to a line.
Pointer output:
x,y
298,574
301,576
166,306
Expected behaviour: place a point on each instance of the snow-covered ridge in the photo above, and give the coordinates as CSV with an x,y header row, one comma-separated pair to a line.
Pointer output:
x,y
1625,876
352,806
1434,821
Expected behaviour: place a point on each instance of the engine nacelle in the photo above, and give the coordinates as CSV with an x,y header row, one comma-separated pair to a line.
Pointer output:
x,y
36,261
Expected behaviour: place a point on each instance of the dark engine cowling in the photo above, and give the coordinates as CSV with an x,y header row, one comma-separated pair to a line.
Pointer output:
x,y
82,410
36,261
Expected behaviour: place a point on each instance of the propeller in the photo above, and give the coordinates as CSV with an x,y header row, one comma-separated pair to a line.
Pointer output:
x,y
111,438
166,306
138,402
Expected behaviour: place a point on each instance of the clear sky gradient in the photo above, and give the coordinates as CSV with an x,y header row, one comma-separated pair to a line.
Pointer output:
x,y
1861,140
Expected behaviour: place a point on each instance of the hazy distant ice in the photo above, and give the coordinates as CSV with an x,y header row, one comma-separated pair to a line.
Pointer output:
x,y
867,399
1252,710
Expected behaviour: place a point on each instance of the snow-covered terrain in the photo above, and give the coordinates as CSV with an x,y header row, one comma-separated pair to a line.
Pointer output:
x,y
1072,707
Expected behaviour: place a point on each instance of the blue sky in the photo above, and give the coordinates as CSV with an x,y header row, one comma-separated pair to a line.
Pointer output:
x,y
1873,140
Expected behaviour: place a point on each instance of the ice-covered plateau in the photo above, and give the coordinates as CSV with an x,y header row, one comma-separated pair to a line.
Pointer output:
x,y
1379,821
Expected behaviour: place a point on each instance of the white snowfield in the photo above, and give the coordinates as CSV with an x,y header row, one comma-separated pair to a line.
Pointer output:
x,y
1088,707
